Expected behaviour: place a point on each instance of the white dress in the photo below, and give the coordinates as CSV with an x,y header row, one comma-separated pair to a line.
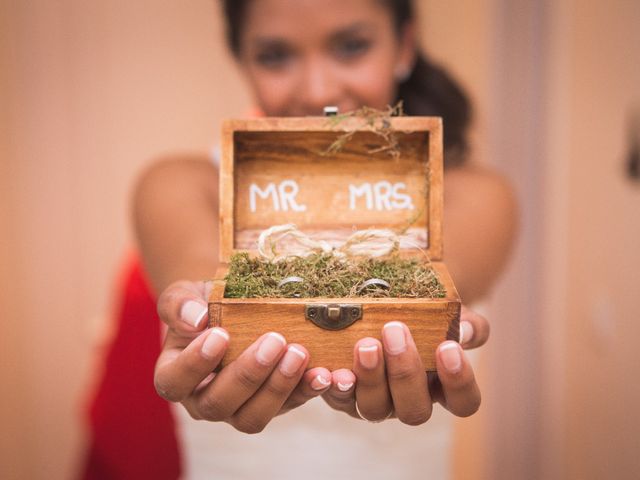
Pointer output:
x,y
316,442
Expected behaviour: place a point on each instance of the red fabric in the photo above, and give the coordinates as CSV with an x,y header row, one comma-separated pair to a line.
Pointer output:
x,y
133,430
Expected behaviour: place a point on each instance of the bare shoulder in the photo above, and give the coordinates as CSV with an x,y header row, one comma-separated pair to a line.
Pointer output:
x,y
470,182
170,181
480,224
478,192
172,171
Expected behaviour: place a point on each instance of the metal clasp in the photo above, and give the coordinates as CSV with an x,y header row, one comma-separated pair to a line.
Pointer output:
x,y
330,111
333,316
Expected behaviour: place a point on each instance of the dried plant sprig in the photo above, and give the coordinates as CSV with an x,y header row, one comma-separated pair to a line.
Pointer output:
x,y
329,276
374,120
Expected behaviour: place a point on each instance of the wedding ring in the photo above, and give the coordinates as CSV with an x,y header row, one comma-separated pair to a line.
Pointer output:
x,y
287,280
378,282
371,421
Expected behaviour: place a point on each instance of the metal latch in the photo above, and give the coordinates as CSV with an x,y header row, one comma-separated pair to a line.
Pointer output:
x,y
333,316
330,111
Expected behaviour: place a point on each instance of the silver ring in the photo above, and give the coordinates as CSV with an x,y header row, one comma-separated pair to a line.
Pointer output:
x,y
371,421
287,280
378,282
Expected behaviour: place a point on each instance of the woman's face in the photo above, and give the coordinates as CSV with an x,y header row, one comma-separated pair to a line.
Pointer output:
x,y
302,55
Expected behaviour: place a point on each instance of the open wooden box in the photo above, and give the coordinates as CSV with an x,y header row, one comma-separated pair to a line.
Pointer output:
x,y
273,172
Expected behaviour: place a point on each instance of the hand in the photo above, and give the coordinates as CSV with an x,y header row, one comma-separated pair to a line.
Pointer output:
x,y
267,379
390,380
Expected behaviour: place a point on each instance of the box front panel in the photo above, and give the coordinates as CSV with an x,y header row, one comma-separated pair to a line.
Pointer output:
x,y
430,323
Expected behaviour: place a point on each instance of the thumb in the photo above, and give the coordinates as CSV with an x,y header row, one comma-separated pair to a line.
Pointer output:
x,y
183,306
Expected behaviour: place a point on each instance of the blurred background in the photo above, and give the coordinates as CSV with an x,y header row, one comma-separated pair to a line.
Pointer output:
x,y
90,92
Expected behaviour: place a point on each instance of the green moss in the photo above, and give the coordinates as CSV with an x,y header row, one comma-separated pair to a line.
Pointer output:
x,y
328,276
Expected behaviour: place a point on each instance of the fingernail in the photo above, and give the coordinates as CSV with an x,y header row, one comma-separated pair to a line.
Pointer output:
x,y
345,387
368,356
292,361
270,348
215,342
320,383
466,332
451,357
393,338
193,312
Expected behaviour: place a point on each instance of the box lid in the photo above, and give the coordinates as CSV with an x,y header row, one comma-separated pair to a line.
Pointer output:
x,y
331,177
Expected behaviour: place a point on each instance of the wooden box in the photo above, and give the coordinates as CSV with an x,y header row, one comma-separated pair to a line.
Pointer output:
x,y
276,171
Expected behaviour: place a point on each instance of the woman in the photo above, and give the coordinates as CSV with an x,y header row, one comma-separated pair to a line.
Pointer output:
x,y
299,56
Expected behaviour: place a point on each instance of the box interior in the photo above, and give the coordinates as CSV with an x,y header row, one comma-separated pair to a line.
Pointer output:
x,y
284,177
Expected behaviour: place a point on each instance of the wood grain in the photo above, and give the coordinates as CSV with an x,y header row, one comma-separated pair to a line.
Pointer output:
x,y
431,321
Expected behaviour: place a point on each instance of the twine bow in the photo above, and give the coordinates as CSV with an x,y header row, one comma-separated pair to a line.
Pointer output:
x,y
372,242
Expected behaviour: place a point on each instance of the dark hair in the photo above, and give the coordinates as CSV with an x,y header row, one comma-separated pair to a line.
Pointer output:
x,y
428,90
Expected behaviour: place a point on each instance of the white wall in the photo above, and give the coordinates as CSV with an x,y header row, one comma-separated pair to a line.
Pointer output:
x,y
604,233
560,399
91,91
